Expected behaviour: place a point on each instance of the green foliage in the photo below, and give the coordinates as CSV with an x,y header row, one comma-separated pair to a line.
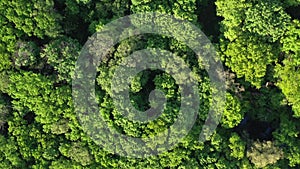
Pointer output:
x,y
105,11
249,59
288,72
251,30
8,32
4,81
292,2
179,8
26,54
259,45
289,79
62,54
139,81
5,61
233,113
60,127
233,13
264,153
237,146
35,18
8,39
10,157
267,19
76,152
287,135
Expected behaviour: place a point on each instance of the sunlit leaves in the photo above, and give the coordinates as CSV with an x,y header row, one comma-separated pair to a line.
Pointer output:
x,y
35,18
233,113
237,146
248,57
288,72
267,19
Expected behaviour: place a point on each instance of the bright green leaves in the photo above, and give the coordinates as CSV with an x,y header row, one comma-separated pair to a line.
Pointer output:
x,y
42,114
233,13
166,83
185,9
233,113
141,88
28,84
5,60
252,30
35,18
267,19
150,5
34,93
248,57
180,8
8,33
237,146
289,72
40,43
83,1
8,40
289,83
291,41
9,155
113,58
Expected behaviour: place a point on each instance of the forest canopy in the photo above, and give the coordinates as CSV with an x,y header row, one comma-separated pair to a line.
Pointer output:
x,y
258,42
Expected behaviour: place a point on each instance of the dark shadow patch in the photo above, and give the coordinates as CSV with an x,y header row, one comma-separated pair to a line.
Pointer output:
x,y
207,16
294,11
29,117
